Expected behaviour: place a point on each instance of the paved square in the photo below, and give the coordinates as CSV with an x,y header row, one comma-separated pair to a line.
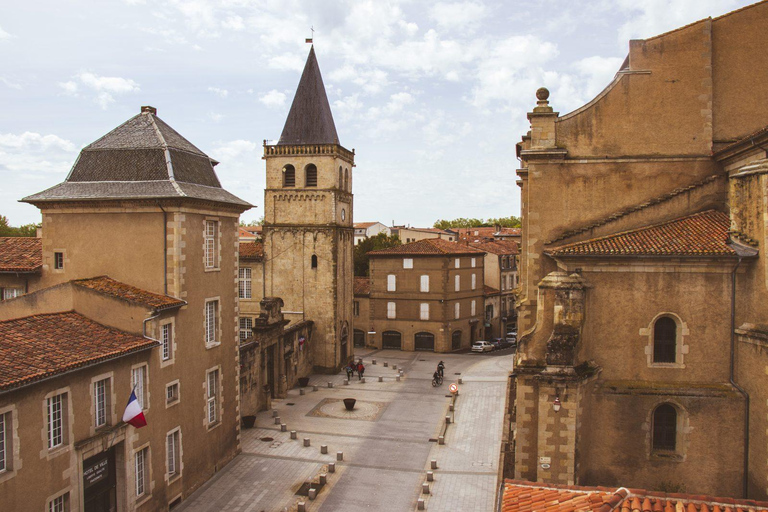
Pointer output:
x,y
364,410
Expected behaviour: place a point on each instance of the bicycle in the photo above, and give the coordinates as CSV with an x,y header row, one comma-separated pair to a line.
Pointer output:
x,y
437,381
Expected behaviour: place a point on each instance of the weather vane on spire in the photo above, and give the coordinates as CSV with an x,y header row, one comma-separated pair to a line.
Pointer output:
x,y
310,39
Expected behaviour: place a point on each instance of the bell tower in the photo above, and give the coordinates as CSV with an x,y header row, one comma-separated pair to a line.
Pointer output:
x,y
308,233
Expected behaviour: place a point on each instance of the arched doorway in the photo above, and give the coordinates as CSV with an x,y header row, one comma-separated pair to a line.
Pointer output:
x,y
392,339
456,340
359,338
424,341
344,339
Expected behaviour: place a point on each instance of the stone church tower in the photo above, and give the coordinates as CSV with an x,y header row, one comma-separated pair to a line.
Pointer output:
x,y
308,233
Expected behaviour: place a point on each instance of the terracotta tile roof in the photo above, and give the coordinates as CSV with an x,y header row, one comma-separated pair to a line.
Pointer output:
x,y
28,352
364,225
424,230
700,234
502,247
525,496
489,290
21,254
428,247
244,233
362,286
251,251
115,289
253,229
480,233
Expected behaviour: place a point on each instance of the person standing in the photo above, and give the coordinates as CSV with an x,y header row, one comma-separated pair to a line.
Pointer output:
x,y
360,369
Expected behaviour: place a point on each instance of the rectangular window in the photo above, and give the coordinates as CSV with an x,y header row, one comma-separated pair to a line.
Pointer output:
x,y
407,262
474,281
457,283
488,312
213,397
10,293
457,263
58,260
473,308
391,310
245,283
172,393
424,311
101,401
142,457
391,283
173,447
356,308
59,503
211,314
424,283
167,339
6,444
56,420
456,311
246,326
474,262
138,381
211,243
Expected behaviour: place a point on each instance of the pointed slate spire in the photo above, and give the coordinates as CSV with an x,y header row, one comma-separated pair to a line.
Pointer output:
x,y
310,120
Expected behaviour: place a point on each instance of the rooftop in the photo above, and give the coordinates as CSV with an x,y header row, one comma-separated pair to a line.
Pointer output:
x,y
27,354
21,254
700,234
478,234
362,286
523,496
364,225
253,251
501,247
429,247
105,285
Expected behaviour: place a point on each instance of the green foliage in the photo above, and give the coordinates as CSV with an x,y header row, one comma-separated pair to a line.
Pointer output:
x,y
505,222
374,243
25,230
259,222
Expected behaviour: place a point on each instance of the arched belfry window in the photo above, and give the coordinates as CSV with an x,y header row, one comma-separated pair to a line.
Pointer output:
x,y
314,261
310,174
341,178
664,435
289,176
346,179
665,340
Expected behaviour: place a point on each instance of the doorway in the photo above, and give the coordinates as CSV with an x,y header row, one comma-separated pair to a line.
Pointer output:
x,y
391,339
424,341
359,338
100,482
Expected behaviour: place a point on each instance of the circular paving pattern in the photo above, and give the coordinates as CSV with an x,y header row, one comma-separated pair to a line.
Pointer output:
x,y
334,408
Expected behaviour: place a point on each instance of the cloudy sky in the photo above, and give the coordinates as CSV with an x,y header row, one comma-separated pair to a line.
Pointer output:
x,y
431,95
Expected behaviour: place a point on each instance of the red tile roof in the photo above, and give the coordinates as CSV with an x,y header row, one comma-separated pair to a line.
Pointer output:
x,y
115,289
253,229
364,225
489,290
428,247
362,286
480,233
42,346
502,247
253,251
522,496
244,233
21,254
701,234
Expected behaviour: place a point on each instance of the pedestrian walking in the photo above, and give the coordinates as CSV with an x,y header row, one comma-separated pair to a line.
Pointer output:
x,y
350,371
360,370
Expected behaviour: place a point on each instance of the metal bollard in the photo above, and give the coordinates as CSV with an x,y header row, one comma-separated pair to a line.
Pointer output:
x,y
314,388
312,493
433,463
323,479
301,391
430,476
332,467
330,384
339,456
277,420
425,488
293,434
323,448
381,379
274,413
306,441
283,427
420,504
441,440
386,364
302,507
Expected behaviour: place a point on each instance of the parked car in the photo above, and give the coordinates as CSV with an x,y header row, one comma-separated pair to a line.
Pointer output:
x,y
506,343
482,346
496,342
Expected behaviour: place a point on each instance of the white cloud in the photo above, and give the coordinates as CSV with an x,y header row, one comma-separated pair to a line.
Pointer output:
x,y
105,87
10,84
653,17
459,15
215,116
273,99
31,141
287,62
233,22
218,91
597,72
69,87
4,34
234,149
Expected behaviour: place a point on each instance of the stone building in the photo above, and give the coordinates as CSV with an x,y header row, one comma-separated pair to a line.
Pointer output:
x,y
365,230
308,234
135,288
408,234
426,295
643,360
500,269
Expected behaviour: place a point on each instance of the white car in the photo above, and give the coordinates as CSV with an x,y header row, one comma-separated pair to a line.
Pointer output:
x,y
481,346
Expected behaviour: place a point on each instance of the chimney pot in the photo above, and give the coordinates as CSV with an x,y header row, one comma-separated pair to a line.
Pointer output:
x,y
151,110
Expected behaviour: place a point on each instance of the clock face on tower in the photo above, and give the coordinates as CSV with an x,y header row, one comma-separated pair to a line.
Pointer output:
x,y
343,214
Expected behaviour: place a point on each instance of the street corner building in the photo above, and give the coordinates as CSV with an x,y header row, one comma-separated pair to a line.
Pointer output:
x,y
132,286
643,328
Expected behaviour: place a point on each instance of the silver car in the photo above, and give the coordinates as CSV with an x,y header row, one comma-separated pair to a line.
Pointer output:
x,y
482,346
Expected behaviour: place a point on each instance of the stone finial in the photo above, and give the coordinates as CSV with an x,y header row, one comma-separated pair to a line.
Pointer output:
x,y
542,103
542,94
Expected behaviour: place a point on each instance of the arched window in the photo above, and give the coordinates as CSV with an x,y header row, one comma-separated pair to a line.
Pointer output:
x,y
664,435
289,176
310,175
346,179
665,340
314,261
341,182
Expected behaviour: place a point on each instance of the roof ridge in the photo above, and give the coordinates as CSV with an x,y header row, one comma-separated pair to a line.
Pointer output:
x,y
636,208
69,311
166,149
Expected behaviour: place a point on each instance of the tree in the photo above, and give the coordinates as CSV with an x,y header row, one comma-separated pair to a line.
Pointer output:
x,y
374,243
25,230
461,222
259,222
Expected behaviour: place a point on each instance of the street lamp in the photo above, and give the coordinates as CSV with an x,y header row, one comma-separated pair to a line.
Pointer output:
x,y
556,404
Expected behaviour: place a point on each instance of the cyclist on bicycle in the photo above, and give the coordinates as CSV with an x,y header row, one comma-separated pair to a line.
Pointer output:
x,y
436,379
441,368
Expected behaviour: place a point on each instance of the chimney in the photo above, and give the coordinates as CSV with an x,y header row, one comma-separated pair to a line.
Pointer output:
x,y
147,108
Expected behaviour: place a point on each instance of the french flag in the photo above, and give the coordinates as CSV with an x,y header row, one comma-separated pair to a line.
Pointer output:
x,y
133,414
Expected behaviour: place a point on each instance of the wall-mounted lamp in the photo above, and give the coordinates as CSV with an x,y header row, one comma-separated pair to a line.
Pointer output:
x,y
557,404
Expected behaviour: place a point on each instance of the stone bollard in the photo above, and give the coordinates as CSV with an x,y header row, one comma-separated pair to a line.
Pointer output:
x,y
312,493
433,463
314,388
302,507
339,456
330,384
425,488
323,479
441,440
381,379
401,371
394,367
332,467
323,448
277,420
461,381
306,441
447,420
386,364
398,378
283,427
450,407
274,413
346,382
420,505
430,476
301,391
362,381
373,361
293,434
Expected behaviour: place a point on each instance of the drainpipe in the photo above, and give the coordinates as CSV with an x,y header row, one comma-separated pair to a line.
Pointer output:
x,y
144,331
165,248
733,381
